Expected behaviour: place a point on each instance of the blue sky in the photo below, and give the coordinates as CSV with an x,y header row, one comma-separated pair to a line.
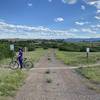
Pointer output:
x,y
49,19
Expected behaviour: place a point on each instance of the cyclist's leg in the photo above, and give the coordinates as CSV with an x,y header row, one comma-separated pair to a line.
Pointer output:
x,y
21,63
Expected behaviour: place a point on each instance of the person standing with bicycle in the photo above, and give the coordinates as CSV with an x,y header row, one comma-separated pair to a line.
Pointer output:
x,y
20,58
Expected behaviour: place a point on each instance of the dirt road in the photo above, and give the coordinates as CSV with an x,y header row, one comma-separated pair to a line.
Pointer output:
x,y
54,84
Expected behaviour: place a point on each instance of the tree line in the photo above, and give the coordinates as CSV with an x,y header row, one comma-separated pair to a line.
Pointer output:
x,y
45,44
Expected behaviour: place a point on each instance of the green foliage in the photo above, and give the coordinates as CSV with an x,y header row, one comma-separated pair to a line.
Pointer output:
x,y
79,47
34,56
5,51
77,58
31,48
9,82
45,44
91,73
69,47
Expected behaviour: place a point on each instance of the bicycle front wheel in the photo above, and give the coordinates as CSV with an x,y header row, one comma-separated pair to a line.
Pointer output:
x,y
28,64
14,65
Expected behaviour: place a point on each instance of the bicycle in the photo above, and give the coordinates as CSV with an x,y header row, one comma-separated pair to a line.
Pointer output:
x,y
14,64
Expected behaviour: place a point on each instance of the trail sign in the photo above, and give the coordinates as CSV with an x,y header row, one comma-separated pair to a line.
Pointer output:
x,y
12,47
87,50
87,53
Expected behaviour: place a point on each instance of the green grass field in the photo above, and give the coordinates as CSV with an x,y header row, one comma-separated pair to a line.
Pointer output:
x,y
78,58
91,73
35,55
11,80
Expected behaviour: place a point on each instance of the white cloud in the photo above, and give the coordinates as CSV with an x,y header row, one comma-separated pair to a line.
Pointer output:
x,y
95,27
59,19
85,32
98,11
97,17
23,31
69,1
83,7
40,32
74,30
98,25
30,4
81,23
50,0
89,30
95,3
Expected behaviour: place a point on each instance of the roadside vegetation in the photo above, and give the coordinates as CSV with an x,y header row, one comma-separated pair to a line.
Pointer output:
x,y
78,58
93,75
11,80
34,56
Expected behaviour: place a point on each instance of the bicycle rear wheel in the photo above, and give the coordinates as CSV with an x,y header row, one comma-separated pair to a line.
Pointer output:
x,y
28,64
14,65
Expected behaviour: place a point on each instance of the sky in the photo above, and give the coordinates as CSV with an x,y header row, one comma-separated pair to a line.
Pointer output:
x,y
49,19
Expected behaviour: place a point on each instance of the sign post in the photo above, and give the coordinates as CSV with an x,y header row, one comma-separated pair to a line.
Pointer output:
x,y
12,47
87,53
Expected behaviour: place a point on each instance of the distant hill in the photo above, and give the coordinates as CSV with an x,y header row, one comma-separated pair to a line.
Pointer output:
x,y
66,40
82,40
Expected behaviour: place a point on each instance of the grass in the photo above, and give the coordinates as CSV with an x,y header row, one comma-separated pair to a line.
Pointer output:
x,y
77,58
35,55
10,81
91,73
5,61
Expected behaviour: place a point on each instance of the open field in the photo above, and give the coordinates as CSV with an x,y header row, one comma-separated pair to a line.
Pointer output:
x,y
91,73
11,80
35,55
78,58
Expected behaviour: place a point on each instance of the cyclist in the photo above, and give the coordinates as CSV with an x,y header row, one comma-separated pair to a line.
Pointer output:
x,y
20,58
